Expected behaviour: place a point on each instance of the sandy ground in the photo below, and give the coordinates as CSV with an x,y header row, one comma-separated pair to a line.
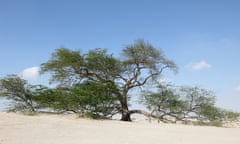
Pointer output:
x,y
59,129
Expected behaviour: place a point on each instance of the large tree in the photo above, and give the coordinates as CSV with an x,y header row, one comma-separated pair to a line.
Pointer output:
x,y
139,64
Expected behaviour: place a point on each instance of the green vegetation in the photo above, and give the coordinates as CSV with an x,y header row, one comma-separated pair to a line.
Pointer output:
x,y
19,91
140,63
186,104
96,100
97,85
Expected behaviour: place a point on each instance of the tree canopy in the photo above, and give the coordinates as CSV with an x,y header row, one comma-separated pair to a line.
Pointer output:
x,y
139,63
98,84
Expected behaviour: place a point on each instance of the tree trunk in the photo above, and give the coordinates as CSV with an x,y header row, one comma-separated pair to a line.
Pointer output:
x,y
126,115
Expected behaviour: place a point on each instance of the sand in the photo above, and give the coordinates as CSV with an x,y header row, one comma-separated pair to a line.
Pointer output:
x,y
59,129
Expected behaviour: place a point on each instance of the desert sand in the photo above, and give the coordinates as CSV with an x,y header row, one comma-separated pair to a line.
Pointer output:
x,y
60,129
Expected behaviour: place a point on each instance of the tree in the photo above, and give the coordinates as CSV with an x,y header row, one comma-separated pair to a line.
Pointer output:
x,y
95,100
200,103
141,62
165,104
18,90
170,104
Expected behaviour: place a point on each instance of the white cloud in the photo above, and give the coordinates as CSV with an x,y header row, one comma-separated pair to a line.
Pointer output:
x,y
31,73
200,65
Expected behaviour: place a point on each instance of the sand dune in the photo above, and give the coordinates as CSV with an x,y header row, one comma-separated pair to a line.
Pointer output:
x,y
59,129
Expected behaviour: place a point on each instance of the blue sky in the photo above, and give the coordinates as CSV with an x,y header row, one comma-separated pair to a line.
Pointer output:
x,y
202,37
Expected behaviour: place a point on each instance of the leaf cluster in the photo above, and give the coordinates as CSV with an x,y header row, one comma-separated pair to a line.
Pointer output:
x,y
70,67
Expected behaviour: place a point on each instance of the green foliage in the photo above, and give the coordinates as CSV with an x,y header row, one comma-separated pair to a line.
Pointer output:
x,y
141,62
65,66
90,98
200,102
210,112
96,98
164,101
185,104
57,99
103,64
228,116
19,91
97,85
144,54
70,67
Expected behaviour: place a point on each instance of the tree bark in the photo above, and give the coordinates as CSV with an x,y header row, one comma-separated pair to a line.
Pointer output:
x,y
147,114
126,115
151,115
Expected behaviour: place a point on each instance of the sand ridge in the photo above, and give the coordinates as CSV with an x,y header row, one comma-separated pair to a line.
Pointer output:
x,y
70,129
